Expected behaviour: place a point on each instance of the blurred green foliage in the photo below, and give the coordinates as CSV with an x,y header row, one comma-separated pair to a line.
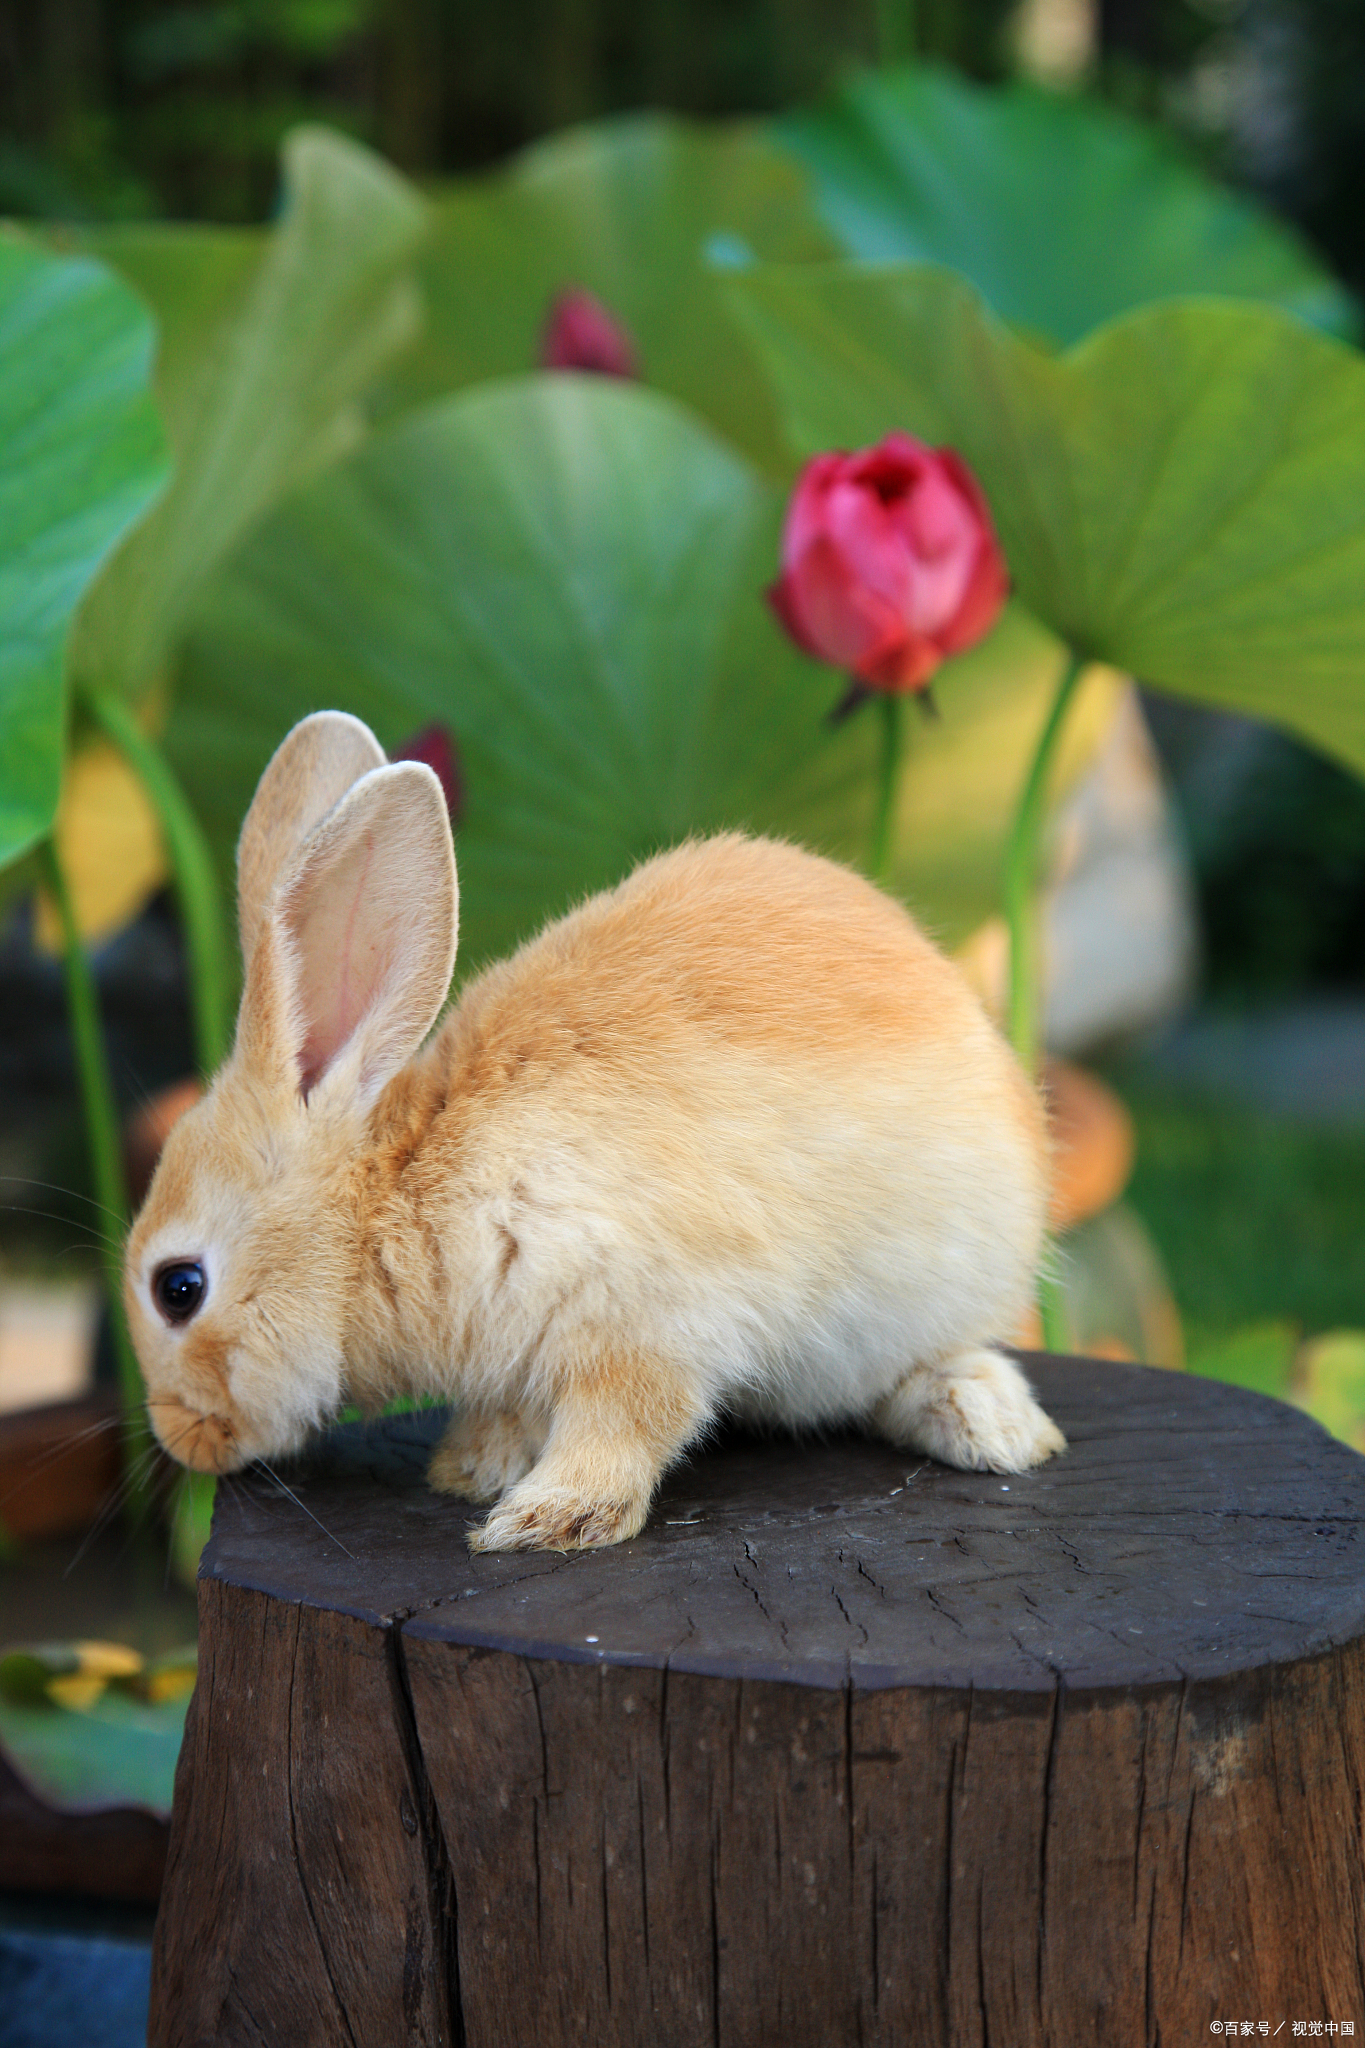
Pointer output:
x,y
120,108
1317,173
634,210
92,1724
116,108
82,455
1276,835
1257,1217
565,571
1060,210
268,346
293,350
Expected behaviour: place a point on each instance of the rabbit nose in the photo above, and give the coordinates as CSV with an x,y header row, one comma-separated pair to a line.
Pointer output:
x,y
206,1443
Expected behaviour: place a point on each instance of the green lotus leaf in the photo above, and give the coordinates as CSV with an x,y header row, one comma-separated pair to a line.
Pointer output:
x,y
1061,211
81,458
118,1751
568,572
269,343
638,211
1259,1356
1178,495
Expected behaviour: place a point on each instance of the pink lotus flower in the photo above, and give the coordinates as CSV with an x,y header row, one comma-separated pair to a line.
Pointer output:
x,y
580,334
889,562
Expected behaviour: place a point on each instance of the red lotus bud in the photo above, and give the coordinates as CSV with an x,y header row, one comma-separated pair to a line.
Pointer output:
x,y
580,334
889,562
434,746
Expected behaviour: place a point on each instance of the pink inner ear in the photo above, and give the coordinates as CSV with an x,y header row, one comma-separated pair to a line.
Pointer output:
x,y
343,957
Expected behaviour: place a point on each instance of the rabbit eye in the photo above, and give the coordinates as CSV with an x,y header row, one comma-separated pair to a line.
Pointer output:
x,y
179,1289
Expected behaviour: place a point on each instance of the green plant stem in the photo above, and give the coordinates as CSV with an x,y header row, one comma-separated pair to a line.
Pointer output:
x,y
1022,858
101,1123
196,884
896,38
891,710
1052,1313
1022,861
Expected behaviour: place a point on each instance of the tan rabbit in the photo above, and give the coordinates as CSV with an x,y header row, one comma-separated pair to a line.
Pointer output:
x,y
732,1137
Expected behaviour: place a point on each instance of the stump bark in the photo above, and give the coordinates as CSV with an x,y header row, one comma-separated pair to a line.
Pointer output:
x,y
845,1747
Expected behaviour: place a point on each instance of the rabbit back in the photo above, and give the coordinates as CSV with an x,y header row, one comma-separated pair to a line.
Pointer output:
x,y
738,1113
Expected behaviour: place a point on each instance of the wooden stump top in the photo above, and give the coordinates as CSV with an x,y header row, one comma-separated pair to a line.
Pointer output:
x,y
1071,1760
1191,1530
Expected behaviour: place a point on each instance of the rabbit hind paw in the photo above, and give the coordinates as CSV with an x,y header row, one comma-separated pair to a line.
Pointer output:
x,y
974,1410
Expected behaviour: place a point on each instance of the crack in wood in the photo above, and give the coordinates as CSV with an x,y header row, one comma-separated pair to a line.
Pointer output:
x,y
240,1997
1049,1769
1141,1809
294,1839
945,1957
1185,1872
750,1587
606,1912
932,1597
874,1931
875,1583
981,1966
530,1670
1150,2027
839,1602
715,1951
442,1902
848,1775
644,1868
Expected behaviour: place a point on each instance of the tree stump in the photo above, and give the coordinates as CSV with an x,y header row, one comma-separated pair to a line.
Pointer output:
x,y
845,1747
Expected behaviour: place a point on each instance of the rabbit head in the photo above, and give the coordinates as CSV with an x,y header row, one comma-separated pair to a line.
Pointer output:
x,y
241,1263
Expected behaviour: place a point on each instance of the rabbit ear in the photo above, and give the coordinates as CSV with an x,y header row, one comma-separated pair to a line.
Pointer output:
x,y
310,770
355,954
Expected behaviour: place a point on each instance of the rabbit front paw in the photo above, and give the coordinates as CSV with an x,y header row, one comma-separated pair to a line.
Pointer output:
x,y
533,1517
620,1420
481,1454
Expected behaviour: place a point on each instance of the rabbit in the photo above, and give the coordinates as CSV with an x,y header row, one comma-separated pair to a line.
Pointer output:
x,y
731,1138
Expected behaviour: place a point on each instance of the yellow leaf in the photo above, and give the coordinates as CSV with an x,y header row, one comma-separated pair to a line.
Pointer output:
x,y
1330,1383
77,1692
172,1682
107,1660
109,844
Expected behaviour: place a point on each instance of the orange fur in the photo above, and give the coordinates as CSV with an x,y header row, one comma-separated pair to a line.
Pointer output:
x,y
732,1135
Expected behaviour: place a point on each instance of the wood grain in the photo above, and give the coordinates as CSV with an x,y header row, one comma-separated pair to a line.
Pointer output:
x,y
837,1750
302,1904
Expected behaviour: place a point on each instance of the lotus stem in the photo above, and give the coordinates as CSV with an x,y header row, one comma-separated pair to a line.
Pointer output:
x,y
102,1130
891,709
896,37
196,884
1022,865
